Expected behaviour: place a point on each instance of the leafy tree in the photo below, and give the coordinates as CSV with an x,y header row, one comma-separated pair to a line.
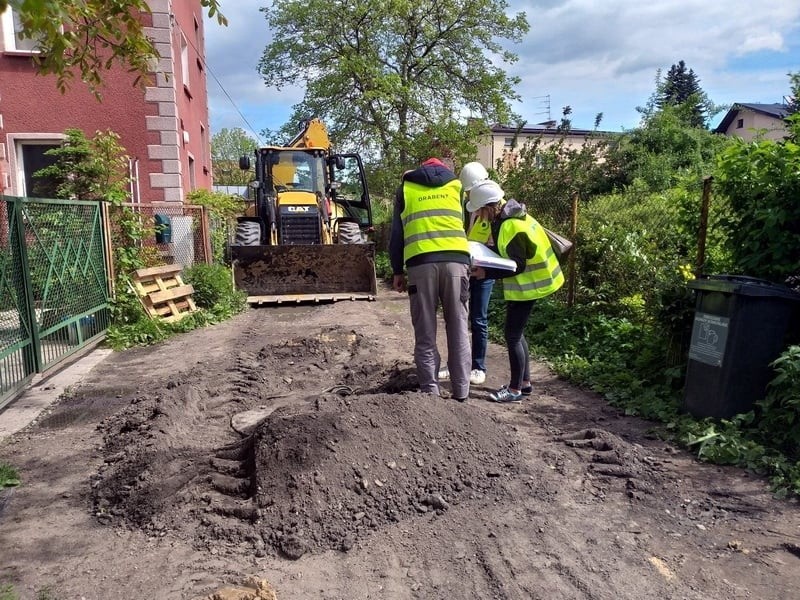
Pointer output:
x,y
223,209
545,175
682,88
389,76
87,37
664,148
85,169
227,145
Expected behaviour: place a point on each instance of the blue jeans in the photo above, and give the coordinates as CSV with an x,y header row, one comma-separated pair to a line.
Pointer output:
x,y
480,290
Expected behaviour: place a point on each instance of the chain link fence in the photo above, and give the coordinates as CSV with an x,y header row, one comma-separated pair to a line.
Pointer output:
x,y
624,244
161,233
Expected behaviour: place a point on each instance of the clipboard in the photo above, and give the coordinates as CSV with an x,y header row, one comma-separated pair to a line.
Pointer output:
x,y
483,256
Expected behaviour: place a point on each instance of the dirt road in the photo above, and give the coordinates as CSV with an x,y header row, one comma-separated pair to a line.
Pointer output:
x,y
288,444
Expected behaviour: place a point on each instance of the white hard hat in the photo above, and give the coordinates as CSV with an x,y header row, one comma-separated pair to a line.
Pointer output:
x,y
483,193
471,174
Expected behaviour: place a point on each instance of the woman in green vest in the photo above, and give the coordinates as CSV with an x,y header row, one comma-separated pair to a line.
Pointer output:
x,y
521,238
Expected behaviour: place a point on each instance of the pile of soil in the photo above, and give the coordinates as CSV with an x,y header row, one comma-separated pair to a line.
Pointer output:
x,y
317,471
351,466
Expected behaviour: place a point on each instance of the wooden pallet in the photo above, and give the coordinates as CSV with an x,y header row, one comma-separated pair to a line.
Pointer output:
x,y
163,293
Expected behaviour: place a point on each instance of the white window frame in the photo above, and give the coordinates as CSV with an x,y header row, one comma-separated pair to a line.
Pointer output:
x,y
204,148
192,164
185,72
11,43
15,161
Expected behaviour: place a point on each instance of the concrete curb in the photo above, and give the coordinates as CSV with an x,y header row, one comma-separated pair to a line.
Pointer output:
x,y
24,409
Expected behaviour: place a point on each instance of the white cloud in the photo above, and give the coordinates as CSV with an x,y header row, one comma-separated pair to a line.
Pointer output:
x,y
594,55
603,56
767,40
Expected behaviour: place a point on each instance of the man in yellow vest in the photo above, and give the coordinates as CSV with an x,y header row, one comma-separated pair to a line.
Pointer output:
x,y
522,239
428,241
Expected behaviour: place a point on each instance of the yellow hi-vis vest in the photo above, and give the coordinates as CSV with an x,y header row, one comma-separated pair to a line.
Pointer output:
x,y
432,219
480,231
542,275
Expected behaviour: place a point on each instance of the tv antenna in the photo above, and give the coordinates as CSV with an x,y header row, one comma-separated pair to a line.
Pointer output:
x,y
544,103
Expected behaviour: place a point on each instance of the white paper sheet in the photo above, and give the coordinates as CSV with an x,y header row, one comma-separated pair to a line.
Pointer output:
x,y
483,256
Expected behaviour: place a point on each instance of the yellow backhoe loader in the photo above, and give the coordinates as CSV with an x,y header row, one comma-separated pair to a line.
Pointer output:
x,y
306,237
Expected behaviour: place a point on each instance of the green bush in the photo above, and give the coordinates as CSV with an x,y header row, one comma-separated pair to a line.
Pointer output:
x,y
130,324
383,268
779,412
223,209
213,284
761,180
7,592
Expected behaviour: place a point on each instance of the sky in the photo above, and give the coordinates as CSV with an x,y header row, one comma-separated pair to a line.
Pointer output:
x,y
596,56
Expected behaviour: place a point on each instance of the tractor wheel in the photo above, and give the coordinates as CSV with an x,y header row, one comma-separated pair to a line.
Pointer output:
x,y
248,233
350,233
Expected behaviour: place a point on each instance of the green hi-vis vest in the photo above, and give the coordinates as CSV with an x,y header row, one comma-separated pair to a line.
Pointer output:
x,y
542,275
432,219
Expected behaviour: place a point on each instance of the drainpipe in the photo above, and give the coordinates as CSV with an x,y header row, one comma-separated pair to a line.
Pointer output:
x,y
133,176
130,178
138,197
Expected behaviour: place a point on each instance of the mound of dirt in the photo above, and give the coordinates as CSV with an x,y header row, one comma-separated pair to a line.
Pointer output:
x,y
346,450
332,474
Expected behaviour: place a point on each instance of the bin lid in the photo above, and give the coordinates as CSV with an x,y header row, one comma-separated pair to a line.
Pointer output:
x,y
744,286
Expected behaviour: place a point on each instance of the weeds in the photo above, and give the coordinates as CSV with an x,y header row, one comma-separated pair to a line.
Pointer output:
x,y
625,360
7,592
9,477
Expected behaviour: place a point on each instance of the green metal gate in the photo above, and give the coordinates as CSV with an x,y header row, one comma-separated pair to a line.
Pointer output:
x,y
53,285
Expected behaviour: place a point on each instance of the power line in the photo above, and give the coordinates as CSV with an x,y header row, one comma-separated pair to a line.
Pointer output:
x,y
202,56
227,95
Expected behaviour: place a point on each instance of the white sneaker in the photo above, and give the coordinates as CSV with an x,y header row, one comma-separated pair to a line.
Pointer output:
x,y
477,377
444,374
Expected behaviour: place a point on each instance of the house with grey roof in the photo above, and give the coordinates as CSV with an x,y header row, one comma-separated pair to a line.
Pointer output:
x,y
749,121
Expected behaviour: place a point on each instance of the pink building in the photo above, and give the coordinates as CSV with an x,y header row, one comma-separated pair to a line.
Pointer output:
x,y
163,127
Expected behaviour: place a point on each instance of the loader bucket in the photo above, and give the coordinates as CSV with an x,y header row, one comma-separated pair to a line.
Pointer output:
x,y
305,273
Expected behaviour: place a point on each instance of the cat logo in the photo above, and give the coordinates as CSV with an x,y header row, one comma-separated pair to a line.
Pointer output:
x,y
298,208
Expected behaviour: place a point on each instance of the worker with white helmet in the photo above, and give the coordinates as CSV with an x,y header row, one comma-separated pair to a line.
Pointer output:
x,y
480,290
471,174
521,238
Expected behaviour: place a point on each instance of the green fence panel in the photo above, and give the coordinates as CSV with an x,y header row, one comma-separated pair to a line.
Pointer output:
x,y
55,281
17,348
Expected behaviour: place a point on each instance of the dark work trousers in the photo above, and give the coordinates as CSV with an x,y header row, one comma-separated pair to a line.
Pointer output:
x,y
480,290
517,314
430,285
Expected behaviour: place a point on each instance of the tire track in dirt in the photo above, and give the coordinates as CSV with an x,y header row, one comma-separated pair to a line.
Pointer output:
x,y
569,498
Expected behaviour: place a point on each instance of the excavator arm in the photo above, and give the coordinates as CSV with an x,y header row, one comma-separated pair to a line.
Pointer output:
x,y
312,134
